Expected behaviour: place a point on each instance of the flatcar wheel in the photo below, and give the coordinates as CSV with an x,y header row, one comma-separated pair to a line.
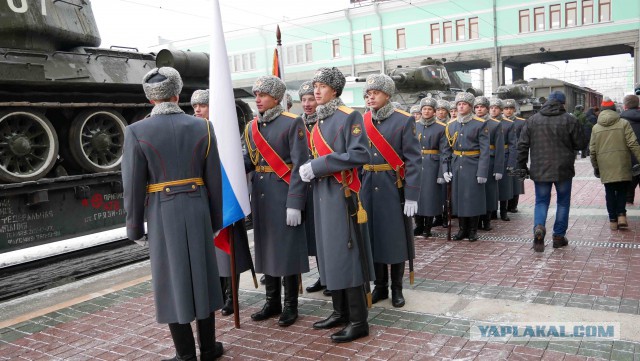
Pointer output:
x,y
28,146
96,139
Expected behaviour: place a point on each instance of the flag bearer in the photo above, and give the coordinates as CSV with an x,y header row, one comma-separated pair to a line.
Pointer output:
x,y
277,147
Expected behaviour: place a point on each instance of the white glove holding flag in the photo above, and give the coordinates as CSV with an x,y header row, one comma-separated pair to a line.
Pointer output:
x,y
410,208
498,176
306,172
294,217
448,176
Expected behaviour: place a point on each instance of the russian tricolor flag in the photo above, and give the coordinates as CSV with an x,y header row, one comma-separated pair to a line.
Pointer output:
x,y
222,113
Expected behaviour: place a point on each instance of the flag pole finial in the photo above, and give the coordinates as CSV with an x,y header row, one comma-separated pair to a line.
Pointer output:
x,y
278,35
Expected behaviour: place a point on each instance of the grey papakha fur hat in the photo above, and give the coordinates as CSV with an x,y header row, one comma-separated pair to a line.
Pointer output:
x,y
481,100
414,109
306,88
333,77
381,82
271,85
452,105
509,103
289,100
464,97
442,104
162,83
428,102
200,96
495,102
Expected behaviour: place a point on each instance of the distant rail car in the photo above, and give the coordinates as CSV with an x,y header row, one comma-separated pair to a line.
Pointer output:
x,y
575,95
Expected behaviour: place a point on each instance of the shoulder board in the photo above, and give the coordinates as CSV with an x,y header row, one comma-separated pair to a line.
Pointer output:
x,y
452,121
507,120
289,115
520,118
479,119
402,112
440,123
495,120
345,109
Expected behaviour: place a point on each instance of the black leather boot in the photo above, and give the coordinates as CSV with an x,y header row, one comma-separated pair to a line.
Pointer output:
x,y
486,226
473,229
290,311
503,211
358,326
182,336
437,221
227,309
463,232
272,305
340,314
209,348
494,215
512,204
317,286
419,225
381,289
428,223
397,272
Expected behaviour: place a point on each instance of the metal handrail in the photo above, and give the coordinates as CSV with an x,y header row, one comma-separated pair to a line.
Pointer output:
x,y
26,53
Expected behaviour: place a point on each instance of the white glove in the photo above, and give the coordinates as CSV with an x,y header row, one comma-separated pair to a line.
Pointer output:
x,y
498,176
482,180
448,176
410,208
306,173
440,180
294,217
144,241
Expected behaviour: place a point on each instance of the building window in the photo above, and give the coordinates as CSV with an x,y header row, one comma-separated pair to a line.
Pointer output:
x,y
571,14
336,48
474,31
554,16
252,61
538,19
308,50
401,39
587,12
604,9
368,44
242,62
237,63
460,29
448,32
291,57
524,21
435,33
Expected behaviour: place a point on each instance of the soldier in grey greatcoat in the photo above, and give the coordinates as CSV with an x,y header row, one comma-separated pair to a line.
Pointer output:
x,y
310,118
388,198
468,140
415,111
344,266
171,168
200,104
430,133
505,185
453,110
496,161
280,236
509,112
443,108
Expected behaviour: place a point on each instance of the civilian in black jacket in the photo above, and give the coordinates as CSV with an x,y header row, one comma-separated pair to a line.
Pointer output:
x,y
632,114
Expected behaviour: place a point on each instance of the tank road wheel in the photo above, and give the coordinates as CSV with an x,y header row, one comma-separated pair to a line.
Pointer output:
x,y
96,139
28,146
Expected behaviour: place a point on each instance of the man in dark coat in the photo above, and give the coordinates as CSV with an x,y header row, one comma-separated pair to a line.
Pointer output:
x,y
200,104
496,160
171,167
390,186
552,136
632,114
344,252
468,142
432,142
509,112
277,147
587,126
310,118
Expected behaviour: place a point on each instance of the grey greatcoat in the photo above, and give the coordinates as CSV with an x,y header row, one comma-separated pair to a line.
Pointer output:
x,y
308,213
280,250
496,162
518,183
340,266
505,185
181,219
468,199
241,250
380,197
431,138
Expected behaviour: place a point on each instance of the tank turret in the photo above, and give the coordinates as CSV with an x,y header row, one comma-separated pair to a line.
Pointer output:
x,y
430,75
522,93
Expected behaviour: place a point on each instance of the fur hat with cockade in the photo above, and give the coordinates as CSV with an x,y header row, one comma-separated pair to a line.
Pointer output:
x,y
381,82
333,77
162,83
200,96
271,85
306,88
464,97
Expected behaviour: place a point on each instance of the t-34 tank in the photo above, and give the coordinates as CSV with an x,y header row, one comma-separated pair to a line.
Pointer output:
x,y
64,102
522,93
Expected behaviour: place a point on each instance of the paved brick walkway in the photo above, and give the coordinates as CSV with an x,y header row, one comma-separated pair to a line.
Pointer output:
x,y
598,273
